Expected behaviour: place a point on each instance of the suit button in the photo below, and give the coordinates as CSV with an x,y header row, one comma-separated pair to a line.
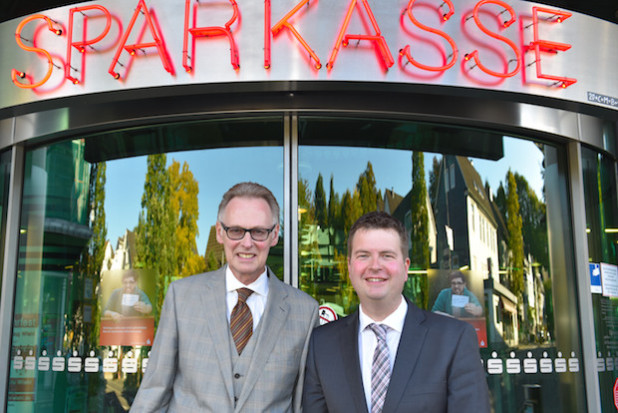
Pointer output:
x,y
235,399
236,376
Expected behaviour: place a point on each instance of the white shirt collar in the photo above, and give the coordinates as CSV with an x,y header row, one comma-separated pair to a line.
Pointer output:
x,y
259,286
395,320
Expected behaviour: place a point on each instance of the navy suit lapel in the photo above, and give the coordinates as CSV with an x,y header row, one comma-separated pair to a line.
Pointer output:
x,y
408,352
348,341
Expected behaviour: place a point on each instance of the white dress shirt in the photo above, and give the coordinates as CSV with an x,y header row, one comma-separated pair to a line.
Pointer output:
x,y
367,342
256,301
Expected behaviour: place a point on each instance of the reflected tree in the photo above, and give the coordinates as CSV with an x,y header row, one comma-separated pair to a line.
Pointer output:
x,y
434,173
416,287
534,222
155,228
368,194
334,208
184,205
91,262
516,242
319,199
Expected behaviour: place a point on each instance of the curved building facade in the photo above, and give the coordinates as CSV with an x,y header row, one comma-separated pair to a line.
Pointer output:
x,y
489,128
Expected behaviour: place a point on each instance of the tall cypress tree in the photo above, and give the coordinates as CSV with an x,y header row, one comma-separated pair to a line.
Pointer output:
x,y
516,240
419,248
155,229
319,201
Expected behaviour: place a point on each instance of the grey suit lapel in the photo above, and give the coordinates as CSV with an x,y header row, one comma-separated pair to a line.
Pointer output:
x,y
408,352
348,340
215,307
271,324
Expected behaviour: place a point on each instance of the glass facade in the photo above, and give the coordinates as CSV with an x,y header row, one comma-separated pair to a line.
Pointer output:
x,y
107,223
600,188
109,220
479,211
5,174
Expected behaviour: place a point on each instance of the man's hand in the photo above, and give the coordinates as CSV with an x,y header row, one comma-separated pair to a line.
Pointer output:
x,y
475,310
142,307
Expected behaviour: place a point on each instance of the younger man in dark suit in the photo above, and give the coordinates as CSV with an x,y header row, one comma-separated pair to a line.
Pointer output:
x,y
391,356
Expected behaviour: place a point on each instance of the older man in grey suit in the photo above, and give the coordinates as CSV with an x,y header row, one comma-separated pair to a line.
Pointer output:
x,y
391,356
235,339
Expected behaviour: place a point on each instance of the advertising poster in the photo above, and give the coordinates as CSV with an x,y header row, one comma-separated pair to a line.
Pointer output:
x,y
459,294
127,317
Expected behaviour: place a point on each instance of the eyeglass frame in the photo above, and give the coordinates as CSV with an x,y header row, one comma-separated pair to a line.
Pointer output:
x,y
249,230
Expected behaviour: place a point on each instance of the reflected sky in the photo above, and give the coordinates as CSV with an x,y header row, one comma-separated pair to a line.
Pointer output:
x,y
216,170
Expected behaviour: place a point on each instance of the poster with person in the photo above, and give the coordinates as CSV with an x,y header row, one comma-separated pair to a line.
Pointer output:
x,y
127,317
459,294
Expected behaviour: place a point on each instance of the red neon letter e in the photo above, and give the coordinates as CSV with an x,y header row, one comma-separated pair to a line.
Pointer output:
x,y
549,47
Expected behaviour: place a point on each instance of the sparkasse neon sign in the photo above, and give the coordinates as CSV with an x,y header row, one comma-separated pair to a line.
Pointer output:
x,y
508,43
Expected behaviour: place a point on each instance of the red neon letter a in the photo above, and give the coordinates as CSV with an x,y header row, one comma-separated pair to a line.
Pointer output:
x,y
139,46
343,39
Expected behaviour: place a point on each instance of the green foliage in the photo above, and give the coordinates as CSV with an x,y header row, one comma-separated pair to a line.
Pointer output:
x,y
351,209
367,191
156,226
516,241
433,179
184,205
419,248
319,197
534,222
334,208
91,259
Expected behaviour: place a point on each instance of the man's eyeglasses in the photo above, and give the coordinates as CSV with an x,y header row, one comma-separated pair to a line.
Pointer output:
x,y
238,233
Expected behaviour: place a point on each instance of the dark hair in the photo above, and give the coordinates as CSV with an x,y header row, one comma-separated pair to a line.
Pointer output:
x,y
457,274
379,220
250,190
130,273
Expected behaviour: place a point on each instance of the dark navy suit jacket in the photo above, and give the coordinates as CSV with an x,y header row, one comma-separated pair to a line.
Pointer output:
x,y
437,368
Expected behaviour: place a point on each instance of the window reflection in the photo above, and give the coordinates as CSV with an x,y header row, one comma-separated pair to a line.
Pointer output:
x,y
103,234
600,189
5,168
478,231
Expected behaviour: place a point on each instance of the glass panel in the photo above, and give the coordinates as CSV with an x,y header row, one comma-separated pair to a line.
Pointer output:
x,y
107,223
5,173
484,246
600,192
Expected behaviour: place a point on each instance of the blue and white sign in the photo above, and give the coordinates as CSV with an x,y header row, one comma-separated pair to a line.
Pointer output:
x,y
595,278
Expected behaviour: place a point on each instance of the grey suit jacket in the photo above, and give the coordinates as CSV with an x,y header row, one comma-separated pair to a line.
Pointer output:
x,y
437,368
190,367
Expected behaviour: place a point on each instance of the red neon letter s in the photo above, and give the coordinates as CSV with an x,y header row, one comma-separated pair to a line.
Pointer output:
x,y
133,48
547,46
80,45
377,37
474,54
284,23
406,50
16,74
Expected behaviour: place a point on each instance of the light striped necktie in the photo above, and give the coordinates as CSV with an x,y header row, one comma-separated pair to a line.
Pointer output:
x,y
241,321
380,368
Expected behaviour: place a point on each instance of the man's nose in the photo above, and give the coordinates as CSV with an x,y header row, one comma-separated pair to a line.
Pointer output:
x,y
374,262
246,240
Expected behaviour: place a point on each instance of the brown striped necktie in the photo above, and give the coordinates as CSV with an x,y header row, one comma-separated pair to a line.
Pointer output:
x,y
241,321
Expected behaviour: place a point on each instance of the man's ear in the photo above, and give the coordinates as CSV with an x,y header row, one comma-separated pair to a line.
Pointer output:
x,y
275,237
219,232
